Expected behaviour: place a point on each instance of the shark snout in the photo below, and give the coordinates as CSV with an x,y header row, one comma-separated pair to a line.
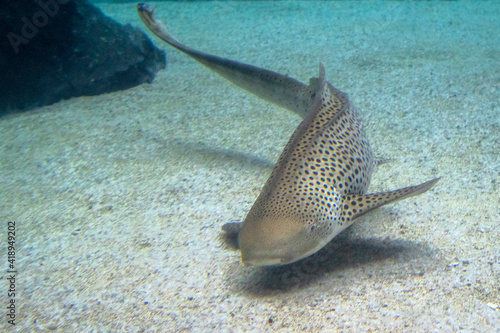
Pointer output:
x,y
271,242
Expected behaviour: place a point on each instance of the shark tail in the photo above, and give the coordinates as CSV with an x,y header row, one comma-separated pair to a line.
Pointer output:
x,y
271,86
147,15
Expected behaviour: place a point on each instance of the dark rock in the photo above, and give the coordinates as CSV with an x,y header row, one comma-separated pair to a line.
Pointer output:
x,y
57,49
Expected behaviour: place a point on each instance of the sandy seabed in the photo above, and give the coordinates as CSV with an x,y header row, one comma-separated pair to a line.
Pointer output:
x,y
118,199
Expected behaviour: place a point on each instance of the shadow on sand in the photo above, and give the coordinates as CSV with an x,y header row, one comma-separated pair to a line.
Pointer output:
x,y
372,257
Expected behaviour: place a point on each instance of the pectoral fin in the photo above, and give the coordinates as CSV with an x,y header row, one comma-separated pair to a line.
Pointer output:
x,y
357,205
232,228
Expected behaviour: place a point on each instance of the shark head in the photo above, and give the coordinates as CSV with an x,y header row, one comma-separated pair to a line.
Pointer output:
x,y
275,241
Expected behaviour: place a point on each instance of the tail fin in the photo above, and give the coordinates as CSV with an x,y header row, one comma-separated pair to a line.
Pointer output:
x,y
271,86
357,205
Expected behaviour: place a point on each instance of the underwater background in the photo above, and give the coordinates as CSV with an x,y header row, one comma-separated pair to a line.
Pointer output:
x,y
119,198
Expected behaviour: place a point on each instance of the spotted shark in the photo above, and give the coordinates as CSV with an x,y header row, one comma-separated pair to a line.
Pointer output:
x,y
319,184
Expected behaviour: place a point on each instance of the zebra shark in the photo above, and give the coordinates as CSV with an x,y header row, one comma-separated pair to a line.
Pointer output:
x,y
319,184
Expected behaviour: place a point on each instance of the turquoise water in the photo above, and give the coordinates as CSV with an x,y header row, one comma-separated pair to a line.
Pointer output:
x,y
119,198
